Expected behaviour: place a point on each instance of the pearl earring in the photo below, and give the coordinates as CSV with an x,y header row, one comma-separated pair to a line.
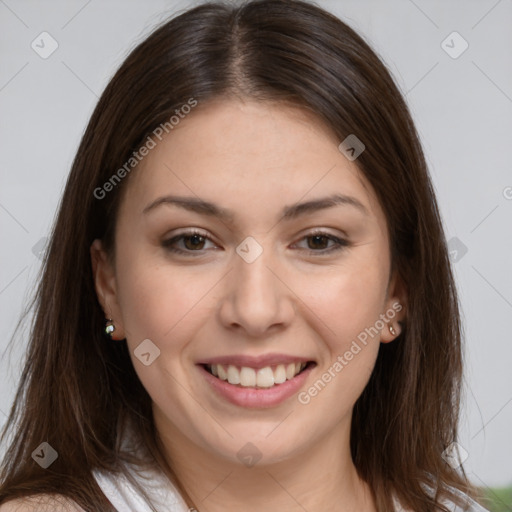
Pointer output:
x,y
109,327
392,330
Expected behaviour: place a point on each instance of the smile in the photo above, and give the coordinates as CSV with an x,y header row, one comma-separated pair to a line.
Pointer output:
x,y
256,382
247,377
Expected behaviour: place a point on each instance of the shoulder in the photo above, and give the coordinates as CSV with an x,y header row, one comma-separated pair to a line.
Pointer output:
x,y
41,503
466,503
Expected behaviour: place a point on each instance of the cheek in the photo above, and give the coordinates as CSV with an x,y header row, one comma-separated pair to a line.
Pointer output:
x,y
348,301
347,310
156,303
164,307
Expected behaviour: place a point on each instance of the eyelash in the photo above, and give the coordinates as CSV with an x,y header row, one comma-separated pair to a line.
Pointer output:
x,y
340,242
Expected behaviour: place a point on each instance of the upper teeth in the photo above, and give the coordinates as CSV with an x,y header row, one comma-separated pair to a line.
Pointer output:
x,y
263,377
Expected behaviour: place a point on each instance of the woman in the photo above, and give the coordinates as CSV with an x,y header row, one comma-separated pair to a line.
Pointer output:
x,y
247,300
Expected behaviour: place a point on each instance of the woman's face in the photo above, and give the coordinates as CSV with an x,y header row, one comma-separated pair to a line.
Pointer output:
x,y
257,290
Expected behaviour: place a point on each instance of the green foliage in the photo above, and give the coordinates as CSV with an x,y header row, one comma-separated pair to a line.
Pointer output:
x,y
497,499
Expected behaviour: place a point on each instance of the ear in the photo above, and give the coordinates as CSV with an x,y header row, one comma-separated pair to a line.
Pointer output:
x,y
105,285
394,310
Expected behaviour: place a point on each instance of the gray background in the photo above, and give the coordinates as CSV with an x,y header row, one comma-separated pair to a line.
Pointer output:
x,y
462,107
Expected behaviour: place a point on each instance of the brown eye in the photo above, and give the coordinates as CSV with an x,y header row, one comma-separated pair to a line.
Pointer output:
x,y
192,241
318,243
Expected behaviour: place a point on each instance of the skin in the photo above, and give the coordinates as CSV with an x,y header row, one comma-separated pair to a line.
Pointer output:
x,y
254,159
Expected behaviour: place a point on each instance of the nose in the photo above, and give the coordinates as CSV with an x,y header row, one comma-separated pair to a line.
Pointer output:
x,y
257,299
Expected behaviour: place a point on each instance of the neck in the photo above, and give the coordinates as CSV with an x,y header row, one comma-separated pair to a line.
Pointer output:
x,y
323,477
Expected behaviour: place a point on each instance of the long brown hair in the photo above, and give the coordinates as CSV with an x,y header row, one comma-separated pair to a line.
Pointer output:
x,y
77,389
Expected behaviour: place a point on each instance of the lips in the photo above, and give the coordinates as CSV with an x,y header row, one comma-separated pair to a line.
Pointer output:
x,y
256,396
255,362
261,381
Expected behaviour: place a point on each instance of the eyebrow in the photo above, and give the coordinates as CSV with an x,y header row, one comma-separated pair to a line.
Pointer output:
x,y
293,211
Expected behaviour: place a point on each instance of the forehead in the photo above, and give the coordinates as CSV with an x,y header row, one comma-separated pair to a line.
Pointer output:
x,y
234,153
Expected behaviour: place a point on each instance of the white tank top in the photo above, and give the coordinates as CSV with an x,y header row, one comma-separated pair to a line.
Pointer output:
x,y
126,498
166,498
